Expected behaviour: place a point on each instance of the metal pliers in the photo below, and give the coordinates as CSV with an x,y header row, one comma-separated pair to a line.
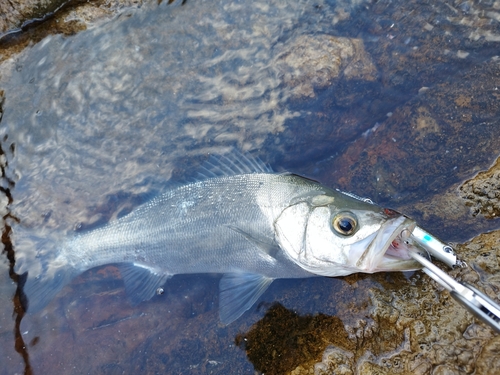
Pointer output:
x,y
472,299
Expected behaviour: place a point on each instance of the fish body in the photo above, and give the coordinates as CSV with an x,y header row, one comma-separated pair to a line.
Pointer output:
x,y
241,220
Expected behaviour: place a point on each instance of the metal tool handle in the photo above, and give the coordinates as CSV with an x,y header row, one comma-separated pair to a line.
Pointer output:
x,y
472,299
482,306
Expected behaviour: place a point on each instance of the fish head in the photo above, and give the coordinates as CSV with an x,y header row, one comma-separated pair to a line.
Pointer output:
x,y
333,234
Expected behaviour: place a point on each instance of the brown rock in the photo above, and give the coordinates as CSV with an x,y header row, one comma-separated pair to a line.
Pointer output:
x,y
482,192
16,13
314,61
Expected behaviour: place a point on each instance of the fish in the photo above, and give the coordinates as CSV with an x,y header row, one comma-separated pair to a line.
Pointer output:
x,y
240,219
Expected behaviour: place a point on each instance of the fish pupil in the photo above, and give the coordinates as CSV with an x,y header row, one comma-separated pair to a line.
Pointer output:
x,y
345,225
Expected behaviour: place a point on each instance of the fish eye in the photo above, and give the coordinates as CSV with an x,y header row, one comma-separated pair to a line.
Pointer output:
x,y
345,223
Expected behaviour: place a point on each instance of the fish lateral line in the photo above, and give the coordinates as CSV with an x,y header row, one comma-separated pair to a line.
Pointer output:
x,y
242,221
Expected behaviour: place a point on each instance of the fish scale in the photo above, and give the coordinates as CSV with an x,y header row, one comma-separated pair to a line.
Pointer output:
x,y
241,220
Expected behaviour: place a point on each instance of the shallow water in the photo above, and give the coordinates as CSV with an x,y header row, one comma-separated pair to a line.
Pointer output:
x,y
396,101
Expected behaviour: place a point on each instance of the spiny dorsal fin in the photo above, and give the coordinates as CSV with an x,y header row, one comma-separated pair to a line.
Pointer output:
x,y
231,164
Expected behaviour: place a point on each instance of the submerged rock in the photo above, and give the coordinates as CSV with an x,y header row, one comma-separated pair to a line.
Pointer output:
x,y
283,341
96,122
409,327
431,143
309,62
163,85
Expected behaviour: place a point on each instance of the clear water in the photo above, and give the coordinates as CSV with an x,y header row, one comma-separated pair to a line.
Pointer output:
x,y
96,123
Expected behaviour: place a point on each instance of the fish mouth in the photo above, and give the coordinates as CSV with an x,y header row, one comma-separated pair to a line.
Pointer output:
x,y
390,248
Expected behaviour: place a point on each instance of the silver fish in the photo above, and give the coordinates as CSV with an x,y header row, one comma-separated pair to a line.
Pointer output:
x,y
242,220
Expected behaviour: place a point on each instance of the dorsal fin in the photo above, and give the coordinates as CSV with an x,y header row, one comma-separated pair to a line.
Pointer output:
x,y
232,164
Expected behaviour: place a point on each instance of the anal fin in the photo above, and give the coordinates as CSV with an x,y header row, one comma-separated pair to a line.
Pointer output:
x,y
141,282
238,292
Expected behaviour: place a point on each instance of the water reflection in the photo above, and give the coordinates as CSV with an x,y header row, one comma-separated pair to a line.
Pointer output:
x,y
392,100
113,108
14,287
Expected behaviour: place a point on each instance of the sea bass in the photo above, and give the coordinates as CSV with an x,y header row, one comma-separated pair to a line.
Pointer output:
x,y
241,220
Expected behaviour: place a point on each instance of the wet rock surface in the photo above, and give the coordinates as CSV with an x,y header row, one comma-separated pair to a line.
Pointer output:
x,y
22,15
438,131
15,13
409,326
432,142
397,101
482,193
384,323
291,340
28,22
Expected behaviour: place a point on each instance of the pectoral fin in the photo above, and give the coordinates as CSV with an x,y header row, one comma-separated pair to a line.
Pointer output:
x,y
267,247
141,282
238,292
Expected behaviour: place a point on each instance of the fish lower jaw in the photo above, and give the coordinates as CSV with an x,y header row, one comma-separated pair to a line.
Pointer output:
x,y
396,257
396,264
